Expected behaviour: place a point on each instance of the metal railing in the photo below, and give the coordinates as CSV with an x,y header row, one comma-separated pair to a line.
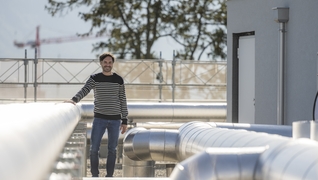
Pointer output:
x,y
35,79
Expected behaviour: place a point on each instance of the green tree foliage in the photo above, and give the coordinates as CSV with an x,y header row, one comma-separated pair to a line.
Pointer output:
x,y
133,26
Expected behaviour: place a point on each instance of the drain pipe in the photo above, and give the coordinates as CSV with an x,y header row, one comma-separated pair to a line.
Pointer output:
x,y
282,17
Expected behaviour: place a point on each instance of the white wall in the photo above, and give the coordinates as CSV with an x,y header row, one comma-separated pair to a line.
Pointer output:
x,y
301,57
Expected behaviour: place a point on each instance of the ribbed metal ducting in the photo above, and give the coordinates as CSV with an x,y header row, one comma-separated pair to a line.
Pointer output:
x,y
154,145
284,158
283,130
133,168
219,163
125,178
168,112
32,136
185,141
195,137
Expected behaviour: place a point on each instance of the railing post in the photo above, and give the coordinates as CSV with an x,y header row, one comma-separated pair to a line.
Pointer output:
x,y
26,62
160,79
35,74
173,74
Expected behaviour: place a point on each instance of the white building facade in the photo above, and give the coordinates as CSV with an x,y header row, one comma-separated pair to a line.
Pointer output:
x,y
272,66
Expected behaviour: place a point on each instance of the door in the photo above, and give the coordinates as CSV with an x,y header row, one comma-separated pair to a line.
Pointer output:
x,y
246,79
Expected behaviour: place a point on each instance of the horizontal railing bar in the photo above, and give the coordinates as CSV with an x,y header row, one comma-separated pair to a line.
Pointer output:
x,y
127,84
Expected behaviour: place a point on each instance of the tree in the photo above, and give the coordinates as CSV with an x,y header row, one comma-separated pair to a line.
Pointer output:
x,y
135,25
199,25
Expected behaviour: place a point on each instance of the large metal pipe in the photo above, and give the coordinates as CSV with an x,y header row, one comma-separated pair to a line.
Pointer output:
x,y
283,130
284,158
294,159
31,136
168,112
214,163
126,178
154,145
133,168
167,145
195,137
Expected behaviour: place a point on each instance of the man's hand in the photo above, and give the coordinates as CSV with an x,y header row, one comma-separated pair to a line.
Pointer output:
x,y
123,128
70,101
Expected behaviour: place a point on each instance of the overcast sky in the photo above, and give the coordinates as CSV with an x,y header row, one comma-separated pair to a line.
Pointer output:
x,y
19,19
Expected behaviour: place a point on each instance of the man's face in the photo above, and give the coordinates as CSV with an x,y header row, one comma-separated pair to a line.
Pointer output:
x,y
107,64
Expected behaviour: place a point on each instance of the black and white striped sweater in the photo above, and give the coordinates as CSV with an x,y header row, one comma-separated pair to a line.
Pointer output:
x,y
109,96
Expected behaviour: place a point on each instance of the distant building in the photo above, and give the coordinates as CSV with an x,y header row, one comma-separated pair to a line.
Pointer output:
x,y
254,42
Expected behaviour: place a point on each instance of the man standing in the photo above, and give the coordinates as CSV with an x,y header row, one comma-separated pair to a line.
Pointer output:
x,y
110,111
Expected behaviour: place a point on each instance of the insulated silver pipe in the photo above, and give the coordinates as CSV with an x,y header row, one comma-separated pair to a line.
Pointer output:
x,y
168,112
283,130
284,157
32,136
294,159
126,178
195,137
142,144
219,163
132,168
154,145
160,125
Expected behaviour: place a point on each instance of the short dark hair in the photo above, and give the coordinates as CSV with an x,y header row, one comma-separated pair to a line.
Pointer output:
x,y
104,55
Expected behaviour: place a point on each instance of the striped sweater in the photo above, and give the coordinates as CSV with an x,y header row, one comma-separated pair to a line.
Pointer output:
x,y
109,96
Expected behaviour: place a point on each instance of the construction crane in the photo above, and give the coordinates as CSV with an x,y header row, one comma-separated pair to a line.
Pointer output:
x,y
38,42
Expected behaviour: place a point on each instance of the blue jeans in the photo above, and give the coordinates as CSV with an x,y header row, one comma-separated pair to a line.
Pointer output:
x,y
98,130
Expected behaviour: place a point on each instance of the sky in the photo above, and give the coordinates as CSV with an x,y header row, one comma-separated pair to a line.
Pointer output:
x,y
18,22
